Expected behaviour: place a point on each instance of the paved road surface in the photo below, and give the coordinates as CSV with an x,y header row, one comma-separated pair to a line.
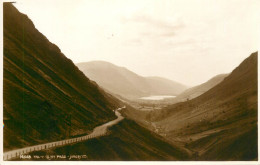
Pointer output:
x,y
98,131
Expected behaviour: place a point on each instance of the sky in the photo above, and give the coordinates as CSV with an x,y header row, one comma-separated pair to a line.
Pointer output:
x,y
188,41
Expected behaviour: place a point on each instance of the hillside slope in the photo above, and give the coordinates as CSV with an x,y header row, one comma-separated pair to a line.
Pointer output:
x,y
221,124
121,81
126,141
199,90
46,97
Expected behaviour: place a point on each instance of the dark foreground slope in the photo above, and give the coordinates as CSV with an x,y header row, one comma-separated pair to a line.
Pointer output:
x,y
46,97
221,124
126,83
126,141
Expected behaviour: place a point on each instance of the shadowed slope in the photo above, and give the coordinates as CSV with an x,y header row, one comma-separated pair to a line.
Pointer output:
x,y
221,124
126,141
46,97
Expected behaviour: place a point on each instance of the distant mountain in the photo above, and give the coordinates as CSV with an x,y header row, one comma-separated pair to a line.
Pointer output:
x,y
220,124
200,89
45,96
165,86
126,83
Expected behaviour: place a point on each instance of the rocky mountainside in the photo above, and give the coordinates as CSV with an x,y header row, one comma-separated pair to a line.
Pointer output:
x,y
46,97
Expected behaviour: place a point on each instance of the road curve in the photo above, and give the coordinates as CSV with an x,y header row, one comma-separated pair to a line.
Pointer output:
x,y
98,131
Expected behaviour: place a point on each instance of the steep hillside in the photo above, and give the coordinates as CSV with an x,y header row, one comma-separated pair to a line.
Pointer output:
x,y
221,124
199,90
126,141
46,97
121,81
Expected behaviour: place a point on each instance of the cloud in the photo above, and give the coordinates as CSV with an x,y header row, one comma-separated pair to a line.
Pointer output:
x,y
157,33
155,27
135,41
159,23
181,43
168,34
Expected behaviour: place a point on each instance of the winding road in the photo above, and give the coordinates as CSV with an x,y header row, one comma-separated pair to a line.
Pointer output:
x,y
98,131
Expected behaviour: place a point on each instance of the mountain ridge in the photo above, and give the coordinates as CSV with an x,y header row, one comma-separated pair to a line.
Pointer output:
x,y
127,83
198,90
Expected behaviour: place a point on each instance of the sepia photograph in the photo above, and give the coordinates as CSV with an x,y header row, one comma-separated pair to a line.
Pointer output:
x,y
130,80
